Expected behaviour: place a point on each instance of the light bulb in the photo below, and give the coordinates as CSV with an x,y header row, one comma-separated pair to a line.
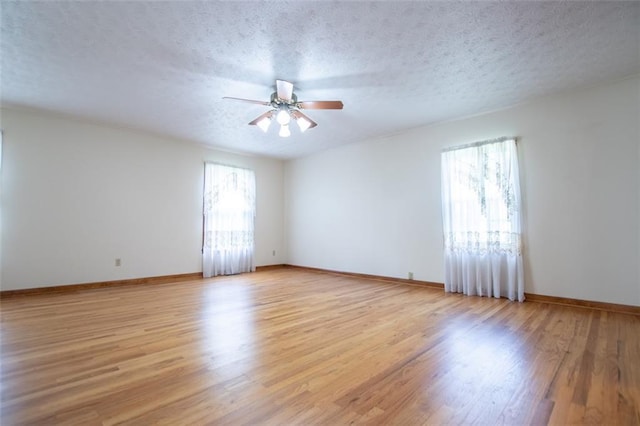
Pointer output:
x,y
264,124
284,131
303,123
283,117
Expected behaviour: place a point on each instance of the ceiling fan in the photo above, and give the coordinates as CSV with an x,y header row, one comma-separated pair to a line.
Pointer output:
x,y
285,106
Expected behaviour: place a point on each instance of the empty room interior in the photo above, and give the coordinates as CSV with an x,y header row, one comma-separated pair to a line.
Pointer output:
x,y
320,212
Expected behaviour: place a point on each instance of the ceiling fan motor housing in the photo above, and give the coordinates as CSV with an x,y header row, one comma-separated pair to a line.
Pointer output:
x,y
276,102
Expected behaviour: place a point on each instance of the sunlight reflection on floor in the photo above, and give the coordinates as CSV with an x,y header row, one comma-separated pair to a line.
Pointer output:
x,y
229,328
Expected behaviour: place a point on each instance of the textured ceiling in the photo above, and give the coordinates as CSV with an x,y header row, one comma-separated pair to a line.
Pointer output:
x,y
165,66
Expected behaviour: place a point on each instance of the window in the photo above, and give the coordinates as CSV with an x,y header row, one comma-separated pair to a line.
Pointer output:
x,y
481,219
229,214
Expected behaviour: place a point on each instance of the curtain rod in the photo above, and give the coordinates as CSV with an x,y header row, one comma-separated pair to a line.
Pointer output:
x,y
488,141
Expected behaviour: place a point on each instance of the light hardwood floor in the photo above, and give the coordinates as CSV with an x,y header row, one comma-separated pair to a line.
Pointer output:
x,y
289,346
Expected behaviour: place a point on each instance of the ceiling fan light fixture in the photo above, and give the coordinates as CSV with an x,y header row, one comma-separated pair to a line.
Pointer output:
x,y
264,124
286,107
283,117
303,123
284,131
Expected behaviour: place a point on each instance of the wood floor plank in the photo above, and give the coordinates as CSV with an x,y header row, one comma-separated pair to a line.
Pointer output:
x,y
290,346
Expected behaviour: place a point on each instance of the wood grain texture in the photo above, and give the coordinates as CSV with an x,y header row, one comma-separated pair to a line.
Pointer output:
x,y
531,297
289,346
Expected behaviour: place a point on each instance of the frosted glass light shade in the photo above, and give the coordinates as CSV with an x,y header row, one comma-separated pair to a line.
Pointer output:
x,y
264,124
283,117
303,123
284,131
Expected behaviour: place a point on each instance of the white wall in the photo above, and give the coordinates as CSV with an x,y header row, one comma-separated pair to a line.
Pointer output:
x,y
374,207
1,145
77,195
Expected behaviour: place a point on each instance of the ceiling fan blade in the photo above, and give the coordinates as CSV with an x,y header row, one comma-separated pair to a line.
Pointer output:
x,y
267,114
248,100
285,90
297,114
320,105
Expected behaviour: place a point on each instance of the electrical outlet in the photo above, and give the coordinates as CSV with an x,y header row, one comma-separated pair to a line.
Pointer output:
x,y
410,275
118,261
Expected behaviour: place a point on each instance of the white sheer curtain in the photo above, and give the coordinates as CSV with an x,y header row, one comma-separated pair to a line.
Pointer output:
x,y
481,216
229,213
